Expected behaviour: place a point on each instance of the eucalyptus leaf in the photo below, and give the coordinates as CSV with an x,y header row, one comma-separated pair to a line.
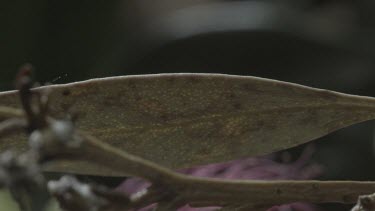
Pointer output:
x,y
182,120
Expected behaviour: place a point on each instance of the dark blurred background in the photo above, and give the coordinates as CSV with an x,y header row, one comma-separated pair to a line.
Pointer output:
x,y
326,44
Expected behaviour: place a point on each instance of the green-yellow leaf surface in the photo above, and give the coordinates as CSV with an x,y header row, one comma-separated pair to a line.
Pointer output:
x,y
182,120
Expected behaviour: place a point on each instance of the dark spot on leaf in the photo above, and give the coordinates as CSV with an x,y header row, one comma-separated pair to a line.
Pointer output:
x,y
66,92
237,106
261,124
164,117
220,171
279,191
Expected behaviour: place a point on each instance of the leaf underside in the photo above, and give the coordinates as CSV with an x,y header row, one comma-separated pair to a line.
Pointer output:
x,y
182,120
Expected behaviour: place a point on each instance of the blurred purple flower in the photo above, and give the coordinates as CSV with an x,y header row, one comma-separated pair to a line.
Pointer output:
x,y
263,168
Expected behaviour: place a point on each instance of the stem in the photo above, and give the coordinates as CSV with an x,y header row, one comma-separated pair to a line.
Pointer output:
x,y
97,152
8,112
12,126
217,191
273,192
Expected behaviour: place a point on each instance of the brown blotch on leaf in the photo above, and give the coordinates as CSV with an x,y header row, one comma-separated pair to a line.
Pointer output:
x,y
66,92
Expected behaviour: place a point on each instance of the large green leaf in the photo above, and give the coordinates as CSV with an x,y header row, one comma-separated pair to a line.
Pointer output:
x,y
182,120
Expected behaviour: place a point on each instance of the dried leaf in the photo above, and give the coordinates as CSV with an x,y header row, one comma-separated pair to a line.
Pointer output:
x,y
181,120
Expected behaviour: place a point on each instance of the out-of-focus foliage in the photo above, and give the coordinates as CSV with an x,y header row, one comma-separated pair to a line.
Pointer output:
x,y
8,204
293,41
